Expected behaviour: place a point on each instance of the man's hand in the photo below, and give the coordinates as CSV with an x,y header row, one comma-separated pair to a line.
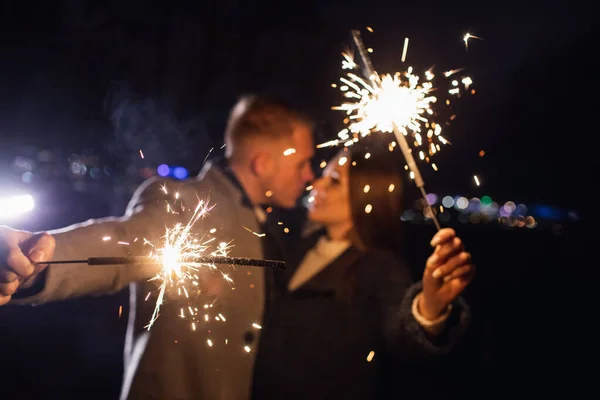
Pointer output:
x,y
447,273
19,253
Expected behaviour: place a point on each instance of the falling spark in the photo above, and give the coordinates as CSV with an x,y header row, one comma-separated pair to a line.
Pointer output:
x,y
208,154
254,233
120,311
467,37
405,49
370,356
141,154
476,179
403,100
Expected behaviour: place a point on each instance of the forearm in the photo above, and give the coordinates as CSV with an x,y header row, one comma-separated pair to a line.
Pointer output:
x,y
109,237
433,327
410,340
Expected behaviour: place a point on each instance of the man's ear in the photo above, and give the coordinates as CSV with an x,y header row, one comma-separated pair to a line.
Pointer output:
x,y
261,164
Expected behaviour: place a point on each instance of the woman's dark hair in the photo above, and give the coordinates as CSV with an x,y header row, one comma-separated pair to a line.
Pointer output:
x,y
377,197
376,193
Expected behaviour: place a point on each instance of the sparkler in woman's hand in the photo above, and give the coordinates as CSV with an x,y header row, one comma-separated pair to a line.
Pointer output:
x,y
398,104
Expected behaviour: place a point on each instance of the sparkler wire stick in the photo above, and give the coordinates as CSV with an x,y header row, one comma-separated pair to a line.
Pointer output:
x,y
410,161
246,262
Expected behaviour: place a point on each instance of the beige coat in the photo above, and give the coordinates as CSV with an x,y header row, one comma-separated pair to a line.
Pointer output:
x,y
171,360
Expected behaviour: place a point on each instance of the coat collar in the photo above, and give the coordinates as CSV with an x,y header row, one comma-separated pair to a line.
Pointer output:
x,y
218,171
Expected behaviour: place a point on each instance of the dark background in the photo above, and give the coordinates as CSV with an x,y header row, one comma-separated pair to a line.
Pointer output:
x,y
90,83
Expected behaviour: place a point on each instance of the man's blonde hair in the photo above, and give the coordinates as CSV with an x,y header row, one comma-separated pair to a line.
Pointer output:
x,y
259,118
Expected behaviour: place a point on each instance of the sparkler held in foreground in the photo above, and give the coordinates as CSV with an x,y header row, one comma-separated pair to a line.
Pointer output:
x,y
240,261
183,261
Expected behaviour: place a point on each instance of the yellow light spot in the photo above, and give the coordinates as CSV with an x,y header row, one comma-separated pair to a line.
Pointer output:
x,y
370,356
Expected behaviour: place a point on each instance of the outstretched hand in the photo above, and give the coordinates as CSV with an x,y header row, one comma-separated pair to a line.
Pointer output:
x,y
447,273
19,254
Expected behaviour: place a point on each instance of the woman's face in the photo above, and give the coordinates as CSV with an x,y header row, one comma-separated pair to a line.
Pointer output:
x,y
330,197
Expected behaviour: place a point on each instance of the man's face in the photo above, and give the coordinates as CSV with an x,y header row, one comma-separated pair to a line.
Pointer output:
x,y
291,168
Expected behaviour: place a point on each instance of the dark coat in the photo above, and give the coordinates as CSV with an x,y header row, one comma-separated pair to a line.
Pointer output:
x,y
315,342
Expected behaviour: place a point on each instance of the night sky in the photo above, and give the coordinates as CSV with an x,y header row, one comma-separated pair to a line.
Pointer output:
x,y
122,76
111,78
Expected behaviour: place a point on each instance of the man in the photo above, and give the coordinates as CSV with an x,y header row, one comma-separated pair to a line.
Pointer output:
x,y
268,150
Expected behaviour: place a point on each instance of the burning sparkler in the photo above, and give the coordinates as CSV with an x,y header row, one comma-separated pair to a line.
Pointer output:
x,y
403,101
181,255
174,256
400,103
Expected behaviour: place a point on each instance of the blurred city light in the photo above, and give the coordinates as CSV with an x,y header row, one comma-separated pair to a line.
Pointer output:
x,y
11,207
180,173
163,170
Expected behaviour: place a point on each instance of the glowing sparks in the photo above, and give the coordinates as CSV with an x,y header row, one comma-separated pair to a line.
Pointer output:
x,y
468,37
404,49
254,233
370,356
177,257
403,100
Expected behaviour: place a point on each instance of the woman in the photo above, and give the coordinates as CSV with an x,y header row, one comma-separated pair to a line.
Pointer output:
x,y
348,315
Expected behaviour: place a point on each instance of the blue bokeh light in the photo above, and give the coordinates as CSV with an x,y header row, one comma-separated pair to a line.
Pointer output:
x,y
180,173
163,170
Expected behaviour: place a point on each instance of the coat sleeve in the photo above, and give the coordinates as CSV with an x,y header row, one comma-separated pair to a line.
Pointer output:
x,y
404,337
146,217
